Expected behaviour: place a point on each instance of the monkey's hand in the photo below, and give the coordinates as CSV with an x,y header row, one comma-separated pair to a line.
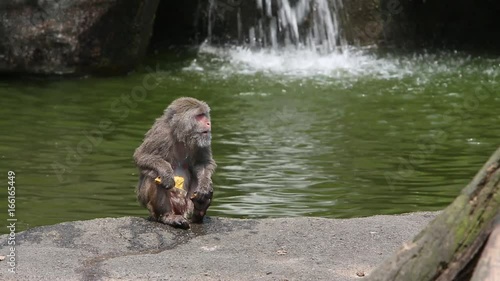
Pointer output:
x,y
165,180
202,198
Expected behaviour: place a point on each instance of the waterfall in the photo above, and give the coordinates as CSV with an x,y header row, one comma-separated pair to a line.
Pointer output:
x,y
298,38
285,24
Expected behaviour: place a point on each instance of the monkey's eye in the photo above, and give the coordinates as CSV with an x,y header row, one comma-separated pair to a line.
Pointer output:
x,y
200,116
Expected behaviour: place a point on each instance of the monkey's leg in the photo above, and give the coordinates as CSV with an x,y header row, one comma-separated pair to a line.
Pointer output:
x,y
144,192
165,205
176,215
152,214
154,198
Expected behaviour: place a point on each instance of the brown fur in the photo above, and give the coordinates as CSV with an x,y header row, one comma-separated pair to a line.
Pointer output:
x,y
175,140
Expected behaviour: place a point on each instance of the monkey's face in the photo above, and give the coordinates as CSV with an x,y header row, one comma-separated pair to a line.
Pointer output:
x,y
193,128
202,134
190,122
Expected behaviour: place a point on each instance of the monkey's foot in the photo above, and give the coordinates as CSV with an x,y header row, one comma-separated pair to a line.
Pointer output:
x,y
176,221
197,216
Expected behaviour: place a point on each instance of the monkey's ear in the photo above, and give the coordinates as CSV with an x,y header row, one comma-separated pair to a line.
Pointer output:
x,y
169,113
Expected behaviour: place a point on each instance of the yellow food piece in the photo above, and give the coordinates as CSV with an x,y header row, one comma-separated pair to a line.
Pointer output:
x,y
179,182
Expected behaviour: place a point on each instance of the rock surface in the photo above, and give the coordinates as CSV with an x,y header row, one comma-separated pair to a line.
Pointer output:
x,y
221,249
74,36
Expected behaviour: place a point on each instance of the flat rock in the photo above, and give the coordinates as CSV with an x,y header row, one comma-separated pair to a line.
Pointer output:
x,y
131,248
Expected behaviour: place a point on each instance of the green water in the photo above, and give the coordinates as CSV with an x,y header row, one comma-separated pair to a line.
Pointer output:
x,y
341,137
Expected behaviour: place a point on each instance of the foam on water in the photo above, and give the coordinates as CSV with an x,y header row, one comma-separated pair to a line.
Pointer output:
x,y
302,63
350,64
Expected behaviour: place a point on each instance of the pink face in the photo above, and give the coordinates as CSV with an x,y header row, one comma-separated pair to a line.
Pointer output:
x,y
203,123
204,136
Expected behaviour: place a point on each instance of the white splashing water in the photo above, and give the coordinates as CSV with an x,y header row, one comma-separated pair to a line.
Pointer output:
x,y
298,38
302,63
341,69
303,38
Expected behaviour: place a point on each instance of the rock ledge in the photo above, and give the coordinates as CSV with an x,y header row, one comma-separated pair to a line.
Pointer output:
x,y
132,248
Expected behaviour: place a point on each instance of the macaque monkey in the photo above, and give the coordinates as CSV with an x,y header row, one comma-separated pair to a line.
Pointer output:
x,y
176,165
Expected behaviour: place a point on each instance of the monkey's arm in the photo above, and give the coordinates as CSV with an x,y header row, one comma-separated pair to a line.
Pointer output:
x,y
204,173
204,167
154,166
202,196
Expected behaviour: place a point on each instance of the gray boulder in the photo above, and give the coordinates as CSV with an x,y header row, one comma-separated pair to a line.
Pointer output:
x,y
74,36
